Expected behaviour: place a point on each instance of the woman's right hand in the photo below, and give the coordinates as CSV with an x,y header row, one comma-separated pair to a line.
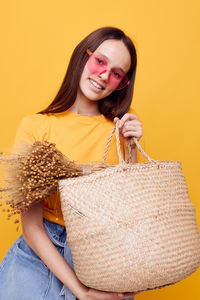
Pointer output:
x,y
93,294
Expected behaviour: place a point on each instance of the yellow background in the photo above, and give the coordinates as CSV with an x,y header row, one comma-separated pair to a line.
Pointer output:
x,y
37,39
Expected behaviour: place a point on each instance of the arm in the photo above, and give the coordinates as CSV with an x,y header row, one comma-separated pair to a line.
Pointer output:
x,y
36,237
133,152
34,232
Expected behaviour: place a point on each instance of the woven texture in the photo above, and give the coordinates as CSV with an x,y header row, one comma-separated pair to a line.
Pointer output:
x,y
131,227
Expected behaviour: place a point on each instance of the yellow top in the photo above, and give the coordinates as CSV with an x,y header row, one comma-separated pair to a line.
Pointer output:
x,y
79,137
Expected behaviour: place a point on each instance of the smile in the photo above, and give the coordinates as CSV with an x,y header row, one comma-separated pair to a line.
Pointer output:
x,y
94,83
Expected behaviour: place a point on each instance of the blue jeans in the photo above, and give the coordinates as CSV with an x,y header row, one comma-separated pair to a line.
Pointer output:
x,y
24,276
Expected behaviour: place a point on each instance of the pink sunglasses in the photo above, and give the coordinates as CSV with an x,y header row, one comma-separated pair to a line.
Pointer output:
x,y
97,64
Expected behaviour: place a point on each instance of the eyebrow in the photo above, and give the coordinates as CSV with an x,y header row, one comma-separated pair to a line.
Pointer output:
x,y
108,60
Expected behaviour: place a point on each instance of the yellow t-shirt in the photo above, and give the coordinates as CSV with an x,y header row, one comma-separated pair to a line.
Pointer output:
x,y
79,137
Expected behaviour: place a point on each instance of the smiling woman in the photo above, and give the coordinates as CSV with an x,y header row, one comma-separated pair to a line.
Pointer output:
x,y
96,92
103,73
119,52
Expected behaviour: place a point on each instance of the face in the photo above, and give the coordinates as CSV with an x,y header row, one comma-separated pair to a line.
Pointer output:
x,y
97,85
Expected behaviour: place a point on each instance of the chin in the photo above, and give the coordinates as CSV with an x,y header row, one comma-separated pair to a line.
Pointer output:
x,y
90,95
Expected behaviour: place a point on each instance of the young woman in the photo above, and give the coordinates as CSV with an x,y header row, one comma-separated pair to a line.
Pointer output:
x,y
96,93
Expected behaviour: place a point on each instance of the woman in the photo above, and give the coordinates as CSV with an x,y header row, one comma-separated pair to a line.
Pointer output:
x,y
96,93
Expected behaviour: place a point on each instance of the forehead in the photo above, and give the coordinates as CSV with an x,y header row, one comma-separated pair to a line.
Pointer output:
x,y
116,53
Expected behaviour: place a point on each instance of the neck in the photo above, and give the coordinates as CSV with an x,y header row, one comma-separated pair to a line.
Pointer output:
x,y
84,106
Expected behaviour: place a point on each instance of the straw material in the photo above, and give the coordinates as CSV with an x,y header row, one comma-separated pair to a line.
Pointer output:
x,y
32,175
131,227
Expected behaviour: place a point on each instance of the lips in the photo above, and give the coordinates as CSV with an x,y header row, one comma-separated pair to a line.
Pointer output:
x,y
96,84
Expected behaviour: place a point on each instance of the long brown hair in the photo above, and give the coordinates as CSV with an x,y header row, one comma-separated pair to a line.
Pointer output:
x,y
114,105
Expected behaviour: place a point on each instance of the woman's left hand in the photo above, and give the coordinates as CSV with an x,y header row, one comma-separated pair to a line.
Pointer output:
x,y
129,126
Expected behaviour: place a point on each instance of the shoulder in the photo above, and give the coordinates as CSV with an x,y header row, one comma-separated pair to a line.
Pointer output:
x,y
34,127
33,123
32,120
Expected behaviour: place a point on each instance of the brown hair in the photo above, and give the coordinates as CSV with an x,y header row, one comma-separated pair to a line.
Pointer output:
x,y
114,105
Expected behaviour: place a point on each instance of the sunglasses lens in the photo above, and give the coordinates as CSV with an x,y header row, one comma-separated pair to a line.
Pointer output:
x,y
97,64
123,83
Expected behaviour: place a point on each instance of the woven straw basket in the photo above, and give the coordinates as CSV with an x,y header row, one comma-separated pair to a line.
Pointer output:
x,y
131,227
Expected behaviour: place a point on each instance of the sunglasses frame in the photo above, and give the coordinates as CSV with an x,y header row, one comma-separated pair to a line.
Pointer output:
x,y
117,89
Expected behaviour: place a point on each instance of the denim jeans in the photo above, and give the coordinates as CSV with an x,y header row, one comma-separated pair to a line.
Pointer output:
x,y
24,276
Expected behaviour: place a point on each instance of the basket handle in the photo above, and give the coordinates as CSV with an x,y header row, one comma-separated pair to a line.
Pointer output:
x,y
121,160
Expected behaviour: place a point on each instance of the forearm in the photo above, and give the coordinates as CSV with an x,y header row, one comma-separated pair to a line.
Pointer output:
x,y
40,243
36,237
133,153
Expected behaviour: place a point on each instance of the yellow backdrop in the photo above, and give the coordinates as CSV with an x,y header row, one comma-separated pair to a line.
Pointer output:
x,y
37,39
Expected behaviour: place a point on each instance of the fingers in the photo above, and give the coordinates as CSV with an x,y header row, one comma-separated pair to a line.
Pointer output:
x,y
127,295
129,126
127,117
128,120
130,294
116,119
101,295
115,296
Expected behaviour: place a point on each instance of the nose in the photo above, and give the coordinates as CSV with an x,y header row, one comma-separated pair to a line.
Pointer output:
x,y
104,75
